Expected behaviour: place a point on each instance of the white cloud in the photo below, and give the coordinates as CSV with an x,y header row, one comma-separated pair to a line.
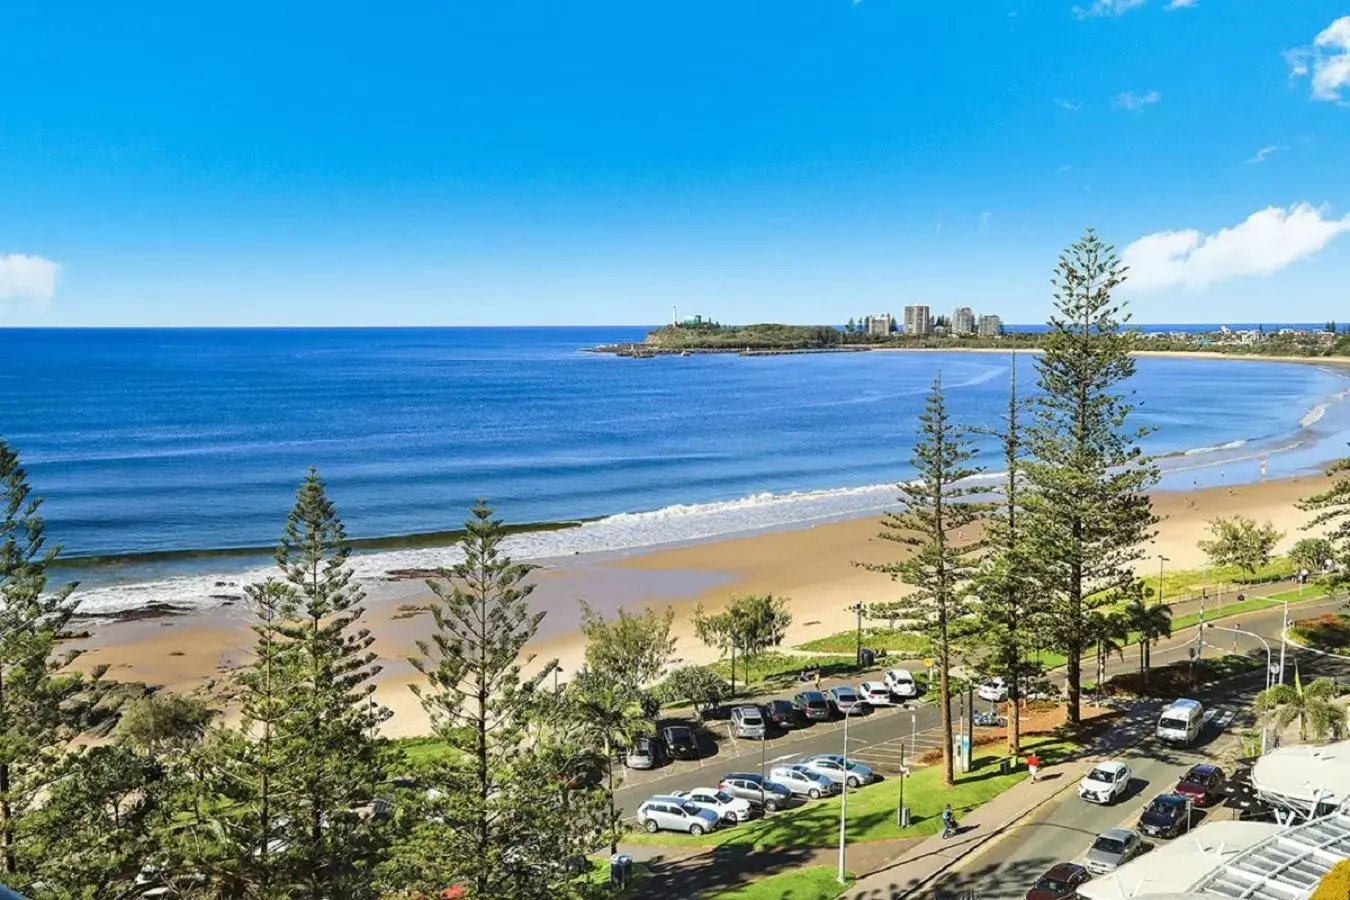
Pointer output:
x,y
1134,102
1180,4
985,218
1107,8
24,277
1265,243
1327,60
1070,105
1064,168
1262,155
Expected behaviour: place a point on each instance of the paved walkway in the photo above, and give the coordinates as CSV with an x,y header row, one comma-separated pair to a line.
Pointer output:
x,y
915,867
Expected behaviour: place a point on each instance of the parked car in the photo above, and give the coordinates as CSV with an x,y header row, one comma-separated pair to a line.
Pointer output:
x,y
646,753
783,714
812,705
833,767
803,782
752,787
902,683
667,813
1106,783
1204,785
1059,882
1112,849
746,722
876,693
728,808
994,690
1166,816
845,700
681,741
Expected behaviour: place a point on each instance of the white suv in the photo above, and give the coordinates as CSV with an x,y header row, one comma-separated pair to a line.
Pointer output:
x,y
902,683
668,813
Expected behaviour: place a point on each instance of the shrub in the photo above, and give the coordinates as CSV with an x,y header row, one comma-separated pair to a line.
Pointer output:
x,y
1336,884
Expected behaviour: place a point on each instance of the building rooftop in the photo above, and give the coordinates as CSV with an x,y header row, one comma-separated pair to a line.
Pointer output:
x,y
1297,775
1173,868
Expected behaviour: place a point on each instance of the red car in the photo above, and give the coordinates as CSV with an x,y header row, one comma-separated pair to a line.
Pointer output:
x,y
1059,883
1203,784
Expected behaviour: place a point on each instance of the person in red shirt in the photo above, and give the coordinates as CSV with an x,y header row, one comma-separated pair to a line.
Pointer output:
x,y
1033,763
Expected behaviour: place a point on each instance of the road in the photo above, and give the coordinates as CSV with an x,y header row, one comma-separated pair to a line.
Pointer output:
x,y
876,739
1062,830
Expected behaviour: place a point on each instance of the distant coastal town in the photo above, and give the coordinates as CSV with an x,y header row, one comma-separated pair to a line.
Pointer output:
x,y
920,329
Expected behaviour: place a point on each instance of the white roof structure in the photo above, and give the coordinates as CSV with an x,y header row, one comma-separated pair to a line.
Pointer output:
x,y
1174,867
1301,776
1234,860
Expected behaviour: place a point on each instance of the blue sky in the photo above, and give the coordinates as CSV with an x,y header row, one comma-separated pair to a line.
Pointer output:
x,y
800,160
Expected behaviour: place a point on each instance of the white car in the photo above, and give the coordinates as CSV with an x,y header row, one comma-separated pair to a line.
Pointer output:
x,y
855,775
902,683
875,693
803,782
1106,783
995,690
727,807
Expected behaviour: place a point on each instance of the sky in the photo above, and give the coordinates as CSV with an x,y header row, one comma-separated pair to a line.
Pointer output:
x,y
473,163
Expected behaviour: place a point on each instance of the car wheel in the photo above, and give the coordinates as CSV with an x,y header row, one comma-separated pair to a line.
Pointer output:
x,y
853,782
651,826
771,805
696,829
814,793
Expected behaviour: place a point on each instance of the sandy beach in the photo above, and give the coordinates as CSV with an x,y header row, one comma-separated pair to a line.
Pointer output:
x,y
812,566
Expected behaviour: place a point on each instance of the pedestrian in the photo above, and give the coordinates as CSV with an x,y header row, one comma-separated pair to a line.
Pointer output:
x,y
1033,763
817,679
948,821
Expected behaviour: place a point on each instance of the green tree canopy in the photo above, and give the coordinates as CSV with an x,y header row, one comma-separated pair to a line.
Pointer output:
x,y
1241,542
748,626
1312,553
1311,706
632,647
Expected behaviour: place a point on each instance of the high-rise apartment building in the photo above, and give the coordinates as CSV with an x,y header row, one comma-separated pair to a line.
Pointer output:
x,y
918,320
882,324
963,320
990,326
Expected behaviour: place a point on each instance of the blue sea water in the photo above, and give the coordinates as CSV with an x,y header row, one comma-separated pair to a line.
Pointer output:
x,y
159,440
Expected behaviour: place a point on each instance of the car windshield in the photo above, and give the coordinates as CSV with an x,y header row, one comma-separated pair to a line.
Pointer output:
x,y
689,808
723,797
1194,778
751,718
816,703
1109,845
1172,724
678,734
1101,775
1165,808
1049,884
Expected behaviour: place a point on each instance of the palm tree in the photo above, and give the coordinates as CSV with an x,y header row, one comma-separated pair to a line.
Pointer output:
x,y
1112,632
610,717
1148,624
1311,706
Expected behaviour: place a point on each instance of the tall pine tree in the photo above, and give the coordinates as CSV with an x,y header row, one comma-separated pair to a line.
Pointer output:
x,y
484,829
1004,584
1087,508
937,508
42,705
334,759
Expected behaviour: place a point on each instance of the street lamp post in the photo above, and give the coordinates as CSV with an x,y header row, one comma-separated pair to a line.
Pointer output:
x,y
1264,644
843,798
857,609
1284,640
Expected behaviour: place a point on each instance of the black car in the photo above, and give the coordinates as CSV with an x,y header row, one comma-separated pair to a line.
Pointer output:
x,y
681,742
812,705
1166,817
782,714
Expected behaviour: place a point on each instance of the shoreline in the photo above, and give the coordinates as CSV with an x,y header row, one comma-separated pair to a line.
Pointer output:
x,y
811,565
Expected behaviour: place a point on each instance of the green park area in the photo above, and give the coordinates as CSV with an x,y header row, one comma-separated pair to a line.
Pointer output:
x,y
872,809
1329,633
814,883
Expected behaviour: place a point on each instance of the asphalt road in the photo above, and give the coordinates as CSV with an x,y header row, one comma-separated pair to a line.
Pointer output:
x,y
877,738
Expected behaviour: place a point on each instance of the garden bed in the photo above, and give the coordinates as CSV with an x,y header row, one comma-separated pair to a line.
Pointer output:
x,y
1329,632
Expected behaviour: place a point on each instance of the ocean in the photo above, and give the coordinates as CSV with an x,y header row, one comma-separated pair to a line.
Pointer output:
x,y
153,447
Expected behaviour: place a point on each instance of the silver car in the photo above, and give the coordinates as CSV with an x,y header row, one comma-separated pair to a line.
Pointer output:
x,y
845,700
1112,849
747,722
664,813
803,782
833,767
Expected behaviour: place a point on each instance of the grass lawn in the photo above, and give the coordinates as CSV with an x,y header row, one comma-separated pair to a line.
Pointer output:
x,y
420,750
814,883
1329,632
776,667
907,644
600,875
871,810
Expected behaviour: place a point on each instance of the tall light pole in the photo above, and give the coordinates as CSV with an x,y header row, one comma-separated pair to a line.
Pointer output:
x,y
1251,634
1162,561
1284,641
843,798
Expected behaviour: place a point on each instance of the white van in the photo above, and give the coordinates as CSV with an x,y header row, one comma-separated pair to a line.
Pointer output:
x,y
1181,722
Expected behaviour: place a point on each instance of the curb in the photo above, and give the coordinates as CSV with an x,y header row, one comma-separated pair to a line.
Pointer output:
x,y
1305,648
